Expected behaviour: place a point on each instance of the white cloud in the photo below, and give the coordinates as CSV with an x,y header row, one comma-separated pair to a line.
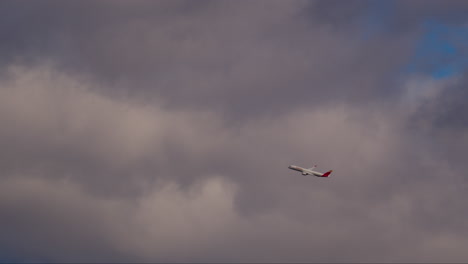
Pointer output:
x,y
69,145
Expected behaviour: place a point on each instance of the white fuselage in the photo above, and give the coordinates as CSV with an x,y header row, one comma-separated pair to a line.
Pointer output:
x,y
305,172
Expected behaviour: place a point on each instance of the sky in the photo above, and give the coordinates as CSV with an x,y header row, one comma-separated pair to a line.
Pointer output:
x,y
162,131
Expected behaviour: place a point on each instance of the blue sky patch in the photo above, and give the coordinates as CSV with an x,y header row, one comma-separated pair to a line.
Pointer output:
x,y
440,51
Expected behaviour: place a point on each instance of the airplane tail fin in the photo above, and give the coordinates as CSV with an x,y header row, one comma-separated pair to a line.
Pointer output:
x,y
326,174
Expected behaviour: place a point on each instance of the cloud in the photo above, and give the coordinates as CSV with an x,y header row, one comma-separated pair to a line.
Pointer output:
x,y
57,123
200,188
218,55
45,220
55,220
163,131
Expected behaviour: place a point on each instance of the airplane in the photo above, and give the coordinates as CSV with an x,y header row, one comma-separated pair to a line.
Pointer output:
x,y
310,171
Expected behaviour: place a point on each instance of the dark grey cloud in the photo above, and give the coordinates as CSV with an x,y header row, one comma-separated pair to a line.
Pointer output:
x,y
162,131
444,121
416,10
216,55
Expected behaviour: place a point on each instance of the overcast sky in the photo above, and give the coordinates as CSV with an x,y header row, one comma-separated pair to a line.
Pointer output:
x,y
161,131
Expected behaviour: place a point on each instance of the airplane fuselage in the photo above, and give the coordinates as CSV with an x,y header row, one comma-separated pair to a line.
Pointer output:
x,y
306,172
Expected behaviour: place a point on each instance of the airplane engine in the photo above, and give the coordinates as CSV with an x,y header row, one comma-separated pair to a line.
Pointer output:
x,y
305,173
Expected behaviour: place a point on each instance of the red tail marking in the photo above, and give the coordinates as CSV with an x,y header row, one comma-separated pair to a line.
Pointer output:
x,y
327,173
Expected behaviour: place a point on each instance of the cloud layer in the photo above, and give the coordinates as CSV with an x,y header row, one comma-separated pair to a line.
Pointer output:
x,y
162,131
